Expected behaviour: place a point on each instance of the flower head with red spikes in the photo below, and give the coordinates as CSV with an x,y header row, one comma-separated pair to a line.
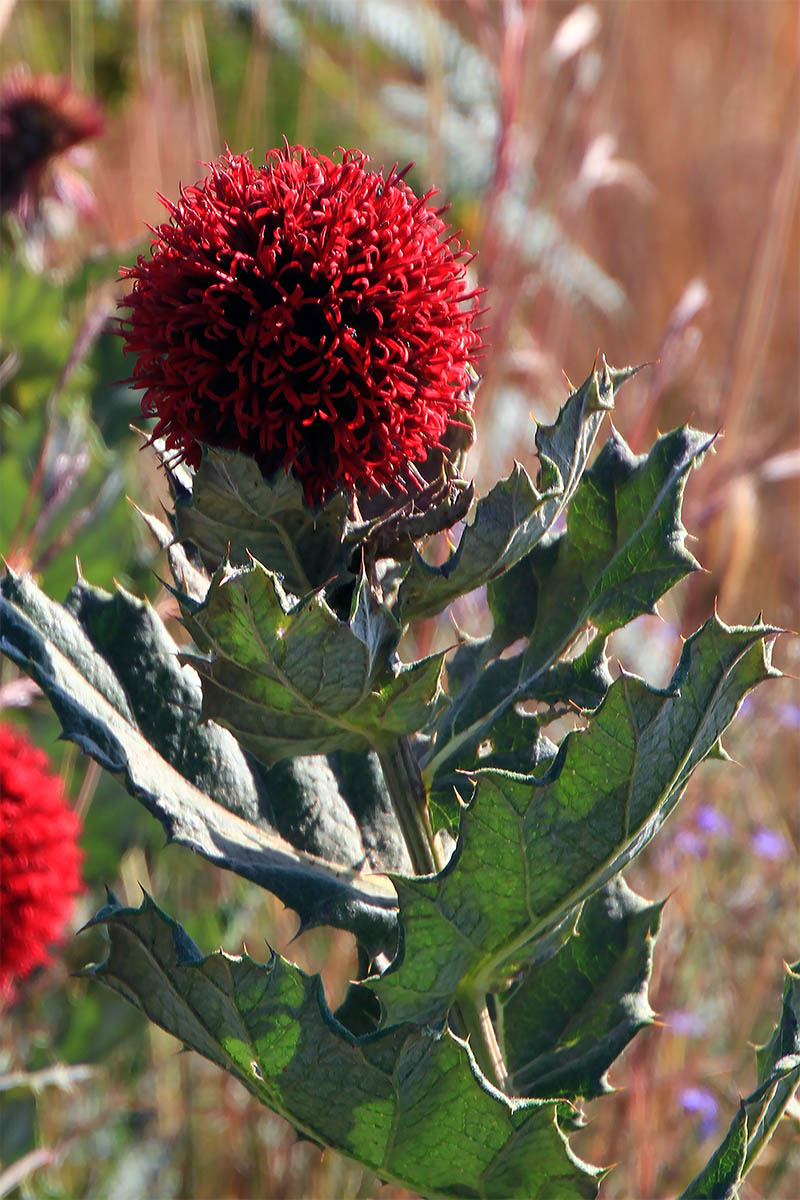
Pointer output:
x,y
310,313
42,117
40,860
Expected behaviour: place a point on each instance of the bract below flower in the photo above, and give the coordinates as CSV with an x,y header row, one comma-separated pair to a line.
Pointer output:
x,y
311,313
40,860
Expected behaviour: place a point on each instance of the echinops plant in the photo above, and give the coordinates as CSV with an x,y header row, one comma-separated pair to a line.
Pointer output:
x,y
304,334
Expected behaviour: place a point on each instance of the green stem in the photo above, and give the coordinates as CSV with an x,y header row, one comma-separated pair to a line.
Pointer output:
x,y
472,1013
410,802
493,1048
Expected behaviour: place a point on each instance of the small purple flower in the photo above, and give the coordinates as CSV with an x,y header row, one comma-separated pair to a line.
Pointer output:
x,y
703,1103
768,843
690,843
684,1022
709,820
789,715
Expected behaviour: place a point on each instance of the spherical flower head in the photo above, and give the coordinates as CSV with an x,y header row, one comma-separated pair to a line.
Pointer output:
x,y
41,117
310,313
40,860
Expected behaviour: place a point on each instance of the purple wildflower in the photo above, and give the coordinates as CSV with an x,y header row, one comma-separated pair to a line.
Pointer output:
x,y
703,1103
789,715
684,1022
710,820
690,843
768,843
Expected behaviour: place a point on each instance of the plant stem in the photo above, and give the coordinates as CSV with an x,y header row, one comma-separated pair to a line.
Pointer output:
x,y
499,1067
410,803
472,1014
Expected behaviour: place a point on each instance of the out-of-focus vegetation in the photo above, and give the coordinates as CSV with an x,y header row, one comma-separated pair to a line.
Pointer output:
x,y
629,174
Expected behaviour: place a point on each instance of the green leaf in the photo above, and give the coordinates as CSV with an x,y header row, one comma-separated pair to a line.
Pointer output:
x,y
516,515
36,331
228,509
565,1022
415,1107
530,849
623,548
112,673
289,677
517,738
478,710
778,1063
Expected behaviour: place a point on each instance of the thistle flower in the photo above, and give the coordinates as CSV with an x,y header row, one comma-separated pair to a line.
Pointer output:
x,y
311,313
41,117
40,860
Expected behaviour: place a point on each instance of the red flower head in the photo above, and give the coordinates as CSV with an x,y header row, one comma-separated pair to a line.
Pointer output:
x,y
41,117
309,313
40,861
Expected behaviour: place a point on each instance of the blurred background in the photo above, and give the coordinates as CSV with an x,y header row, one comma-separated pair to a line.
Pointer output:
x,y
628,173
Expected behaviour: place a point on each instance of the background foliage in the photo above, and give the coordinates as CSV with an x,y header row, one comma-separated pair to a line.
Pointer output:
x,y
629,174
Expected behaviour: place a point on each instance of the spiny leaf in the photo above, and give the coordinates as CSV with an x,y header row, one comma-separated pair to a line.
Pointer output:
x,y
291,678
623,548
530,849
515,515
565,1022
518,738
415,1107
112,673
231,510
778,1064
475,715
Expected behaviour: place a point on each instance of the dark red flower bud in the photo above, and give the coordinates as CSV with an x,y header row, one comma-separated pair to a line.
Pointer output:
x,y
312,314
41,116
40,860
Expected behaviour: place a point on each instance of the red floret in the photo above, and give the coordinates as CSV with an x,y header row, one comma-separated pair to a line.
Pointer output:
x,y
313,314
40,860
